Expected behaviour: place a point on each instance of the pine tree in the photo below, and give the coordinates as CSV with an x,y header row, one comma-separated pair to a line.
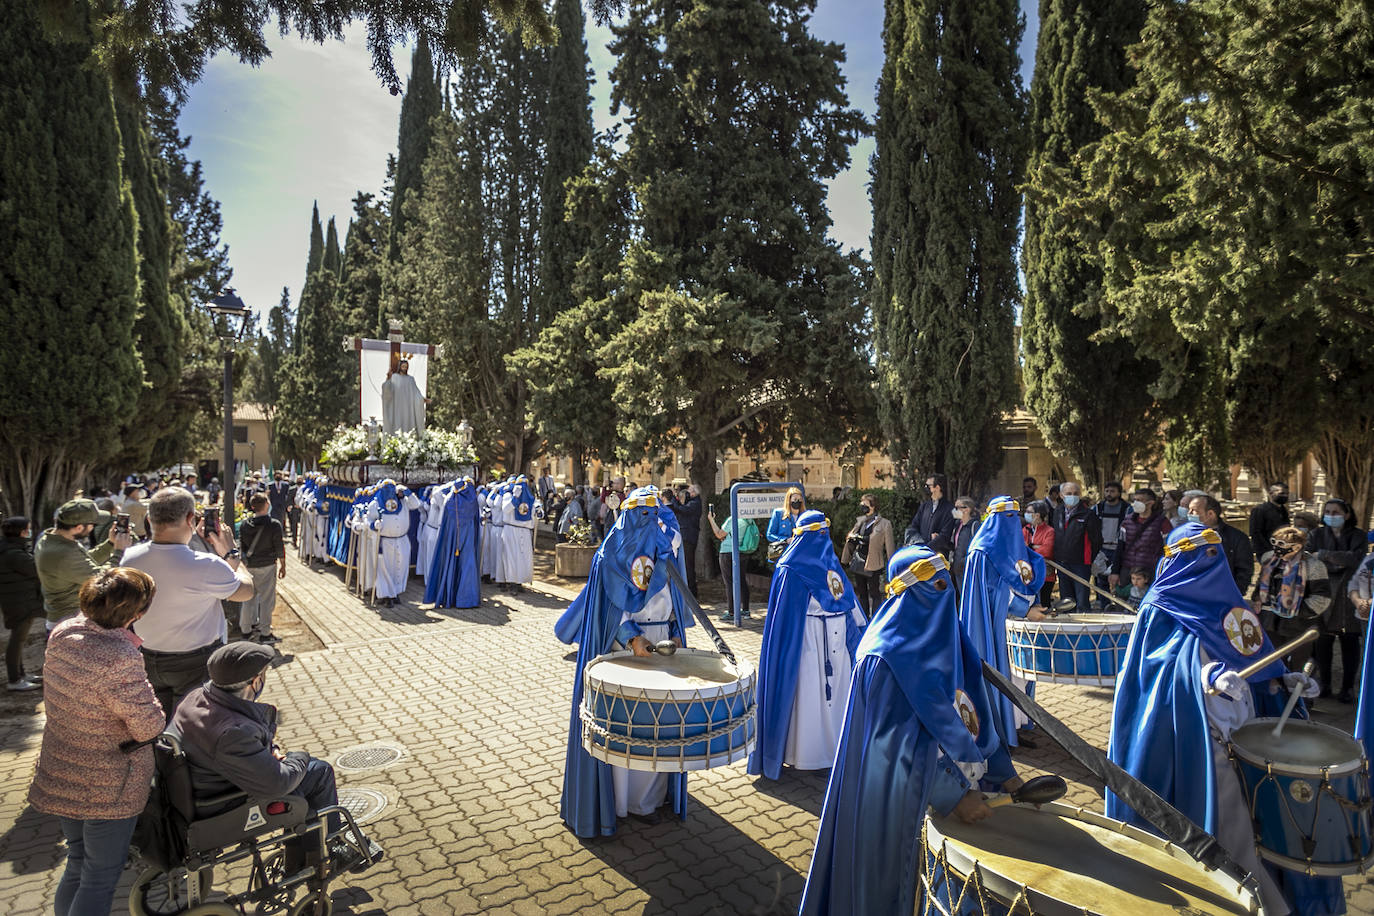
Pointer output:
x,y
950,150
1090,397
568,126
419,106
68,269
745,321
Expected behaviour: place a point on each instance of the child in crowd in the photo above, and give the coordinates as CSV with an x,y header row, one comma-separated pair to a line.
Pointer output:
x,y
1140,584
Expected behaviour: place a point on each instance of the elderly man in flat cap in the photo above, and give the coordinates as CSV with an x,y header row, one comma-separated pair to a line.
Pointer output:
x,y
229,741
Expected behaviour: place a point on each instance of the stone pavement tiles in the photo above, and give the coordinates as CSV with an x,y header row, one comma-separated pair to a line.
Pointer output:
x,y
479,700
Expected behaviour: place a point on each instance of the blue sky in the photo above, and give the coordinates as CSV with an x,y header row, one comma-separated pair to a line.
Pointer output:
x,y
314,124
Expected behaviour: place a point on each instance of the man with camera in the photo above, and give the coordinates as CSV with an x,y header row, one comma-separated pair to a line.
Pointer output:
x,y
185,622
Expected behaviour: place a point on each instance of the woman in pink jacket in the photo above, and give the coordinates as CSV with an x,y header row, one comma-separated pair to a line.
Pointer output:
x,y
97,696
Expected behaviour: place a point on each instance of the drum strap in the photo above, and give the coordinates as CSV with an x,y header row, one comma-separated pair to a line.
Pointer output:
x,y
1171,823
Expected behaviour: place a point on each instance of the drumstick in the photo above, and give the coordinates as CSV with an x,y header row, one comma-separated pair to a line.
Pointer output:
x,y
1293,698
692,605
1250,670
1105,594
1040,790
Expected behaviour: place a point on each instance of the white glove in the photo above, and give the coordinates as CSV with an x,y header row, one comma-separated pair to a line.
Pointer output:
x,y
1305,684
1227,683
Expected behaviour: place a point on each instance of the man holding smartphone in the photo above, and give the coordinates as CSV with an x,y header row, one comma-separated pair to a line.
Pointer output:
x,y
185,622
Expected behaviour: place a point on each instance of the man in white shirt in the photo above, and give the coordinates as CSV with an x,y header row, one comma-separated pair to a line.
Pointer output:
x,y
185,622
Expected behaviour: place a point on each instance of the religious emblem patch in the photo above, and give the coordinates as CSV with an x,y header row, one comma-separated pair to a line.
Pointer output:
x,y
612,501
641,570
392,505
832,579
522,509
1243,630
1025,571
1301,790
964,706
324,505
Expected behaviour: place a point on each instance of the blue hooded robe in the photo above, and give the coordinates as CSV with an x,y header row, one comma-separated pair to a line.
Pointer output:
x,y
995,587
807,569
454,578
918,688
1160,730
594,622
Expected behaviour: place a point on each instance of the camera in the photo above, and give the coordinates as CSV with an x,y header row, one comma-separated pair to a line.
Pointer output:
x,y
211,519
122,523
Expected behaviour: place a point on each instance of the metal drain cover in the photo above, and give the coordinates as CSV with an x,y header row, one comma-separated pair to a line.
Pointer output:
x,y
369,757
364,804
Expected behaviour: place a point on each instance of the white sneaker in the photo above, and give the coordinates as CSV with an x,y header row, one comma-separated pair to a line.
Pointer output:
x,y
22,684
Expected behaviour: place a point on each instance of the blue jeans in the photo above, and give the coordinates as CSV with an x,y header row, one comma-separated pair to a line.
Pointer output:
x,y
96,853
1068,588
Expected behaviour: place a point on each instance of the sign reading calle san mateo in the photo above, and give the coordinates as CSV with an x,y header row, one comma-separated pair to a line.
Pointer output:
x,y
760,504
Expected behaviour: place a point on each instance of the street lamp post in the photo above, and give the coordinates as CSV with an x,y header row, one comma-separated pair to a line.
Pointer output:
x,y
230,308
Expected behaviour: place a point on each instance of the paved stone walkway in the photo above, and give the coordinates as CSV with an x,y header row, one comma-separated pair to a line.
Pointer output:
x,y
479,700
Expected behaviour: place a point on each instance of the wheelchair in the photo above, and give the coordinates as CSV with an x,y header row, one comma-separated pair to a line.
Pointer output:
x,y
199,835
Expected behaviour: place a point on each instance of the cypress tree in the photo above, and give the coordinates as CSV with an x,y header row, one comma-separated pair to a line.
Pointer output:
x,y
419,106
68,267
313,260
364,257
332,260
1091,398
568,126
744,320
318,389
950,150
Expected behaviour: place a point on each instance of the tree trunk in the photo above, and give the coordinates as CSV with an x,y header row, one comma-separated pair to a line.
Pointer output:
x,y
703,474
579,468
1349,464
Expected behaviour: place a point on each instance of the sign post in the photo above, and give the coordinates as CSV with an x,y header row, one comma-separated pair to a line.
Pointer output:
x,y
754,499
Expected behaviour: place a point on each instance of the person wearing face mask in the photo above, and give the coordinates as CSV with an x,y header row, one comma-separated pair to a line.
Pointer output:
x,y
867,549
1268,517
1039,534
933,523
1142,538
1169,505
1339,544
1292,593
966,522
783,521
1077,541
229,739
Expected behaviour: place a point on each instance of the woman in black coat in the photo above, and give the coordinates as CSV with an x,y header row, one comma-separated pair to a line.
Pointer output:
x,y
1340,544
21,598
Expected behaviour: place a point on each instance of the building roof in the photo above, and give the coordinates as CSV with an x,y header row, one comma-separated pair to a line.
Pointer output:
x,y
247,412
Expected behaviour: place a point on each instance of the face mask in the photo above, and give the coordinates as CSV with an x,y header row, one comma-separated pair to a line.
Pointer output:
x,y
1030,519
1183,513
1071,500
868,510
1194,517
257,691
796,505
1281,498
1138,506
1333,521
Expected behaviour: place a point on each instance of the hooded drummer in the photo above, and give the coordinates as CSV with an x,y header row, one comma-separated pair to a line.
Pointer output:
x,y
917,690
626,604
813,627
1002,578
1195,630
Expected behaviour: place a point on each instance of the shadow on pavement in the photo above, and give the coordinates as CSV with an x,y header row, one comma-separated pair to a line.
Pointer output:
x,y
710,865
33,843
803,788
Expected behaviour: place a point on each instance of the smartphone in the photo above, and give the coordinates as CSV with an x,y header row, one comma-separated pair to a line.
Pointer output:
x,y
211,519
122,523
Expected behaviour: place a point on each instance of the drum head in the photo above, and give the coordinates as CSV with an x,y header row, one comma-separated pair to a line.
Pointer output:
x,y
1067,860
1304,747
688,671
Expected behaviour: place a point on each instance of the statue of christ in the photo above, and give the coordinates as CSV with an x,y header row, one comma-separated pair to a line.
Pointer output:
x,y
403,407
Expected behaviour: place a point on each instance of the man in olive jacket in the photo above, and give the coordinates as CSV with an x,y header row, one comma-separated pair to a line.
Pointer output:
x,y
64,564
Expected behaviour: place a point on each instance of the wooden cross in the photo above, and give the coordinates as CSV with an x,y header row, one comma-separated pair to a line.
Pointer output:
x,y
394,344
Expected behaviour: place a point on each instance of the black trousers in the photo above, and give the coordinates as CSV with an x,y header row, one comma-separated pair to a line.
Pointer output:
x,y
175,674
727,579
689,559
14,650
868,588
1350,659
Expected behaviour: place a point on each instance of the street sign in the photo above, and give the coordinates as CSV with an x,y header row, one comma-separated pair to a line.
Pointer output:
x,y
760,504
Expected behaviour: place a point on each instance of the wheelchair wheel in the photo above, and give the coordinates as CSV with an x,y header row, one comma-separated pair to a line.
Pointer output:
x,y
159,893
212,909
307,905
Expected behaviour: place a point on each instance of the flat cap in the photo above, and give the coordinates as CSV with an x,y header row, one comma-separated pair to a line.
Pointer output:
x,y
238,662
80,512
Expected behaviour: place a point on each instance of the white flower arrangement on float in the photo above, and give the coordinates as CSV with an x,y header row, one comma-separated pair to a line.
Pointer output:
x,y
349,443
435,448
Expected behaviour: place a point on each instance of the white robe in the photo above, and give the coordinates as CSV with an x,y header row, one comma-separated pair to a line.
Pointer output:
x,y
363,549
391,544
403,406
637,791
492,544
319,525
516,564
431,514
813,733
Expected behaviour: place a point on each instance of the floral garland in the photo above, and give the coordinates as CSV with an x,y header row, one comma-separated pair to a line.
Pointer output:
x,y
434,448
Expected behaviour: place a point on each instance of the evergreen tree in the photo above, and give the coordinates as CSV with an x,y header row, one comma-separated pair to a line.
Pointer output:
x,y
364,260
568,126
1235,184
950,150
318,390
745,323
267,375
313,260
68,271
332,260
1091,397
420,105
